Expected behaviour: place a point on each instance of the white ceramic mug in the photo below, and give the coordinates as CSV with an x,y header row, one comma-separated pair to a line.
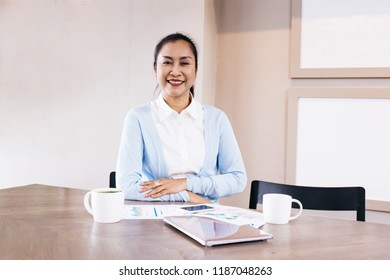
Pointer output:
x,y
105,204
277,208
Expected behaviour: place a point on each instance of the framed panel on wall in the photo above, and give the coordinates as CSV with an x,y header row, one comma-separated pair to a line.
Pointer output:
x,y
340,137
340,39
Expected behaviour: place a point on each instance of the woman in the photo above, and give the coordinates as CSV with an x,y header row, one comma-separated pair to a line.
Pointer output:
x,y
174,148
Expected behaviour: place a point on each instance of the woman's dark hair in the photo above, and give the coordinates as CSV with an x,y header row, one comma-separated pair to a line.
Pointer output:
x,y
173,38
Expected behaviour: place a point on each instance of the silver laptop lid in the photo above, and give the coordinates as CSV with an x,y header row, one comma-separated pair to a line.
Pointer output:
x,y
209,232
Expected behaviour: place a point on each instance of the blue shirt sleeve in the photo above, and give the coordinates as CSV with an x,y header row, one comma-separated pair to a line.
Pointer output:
x,y
223,174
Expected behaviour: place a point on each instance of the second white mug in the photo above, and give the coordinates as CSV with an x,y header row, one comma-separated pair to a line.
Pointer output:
x,y
277,208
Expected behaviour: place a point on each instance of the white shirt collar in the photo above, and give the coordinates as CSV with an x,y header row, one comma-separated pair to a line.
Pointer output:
x,y
194,110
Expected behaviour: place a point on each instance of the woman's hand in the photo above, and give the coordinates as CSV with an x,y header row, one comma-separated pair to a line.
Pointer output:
x,y
163,186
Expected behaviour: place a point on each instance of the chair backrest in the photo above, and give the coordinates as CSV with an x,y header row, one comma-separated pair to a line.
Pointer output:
x,y
112,183
314,198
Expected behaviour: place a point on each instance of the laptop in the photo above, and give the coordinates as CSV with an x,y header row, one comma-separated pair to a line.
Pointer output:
x,y
210,232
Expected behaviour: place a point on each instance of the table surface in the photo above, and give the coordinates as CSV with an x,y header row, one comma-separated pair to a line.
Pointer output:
x,y
47,222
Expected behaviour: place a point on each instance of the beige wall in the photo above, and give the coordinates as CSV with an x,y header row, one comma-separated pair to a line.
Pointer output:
x,y
64,86
252,80
209,54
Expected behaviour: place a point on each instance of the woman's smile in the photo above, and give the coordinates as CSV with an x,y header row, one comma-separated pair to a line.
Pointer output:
x,y
175,82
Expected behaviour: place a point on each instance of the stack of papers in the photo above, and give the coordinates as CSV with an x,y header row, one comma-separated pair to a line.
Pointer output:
x,y
228,214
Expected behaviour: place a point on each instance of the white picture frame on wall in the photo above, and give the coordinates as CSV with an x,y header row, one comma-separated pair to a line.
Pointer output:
x,y
339,137
340,39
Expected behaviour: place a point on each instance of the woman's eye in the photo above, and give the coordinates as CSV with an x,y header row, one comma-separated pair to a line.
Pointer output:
x,y
167,62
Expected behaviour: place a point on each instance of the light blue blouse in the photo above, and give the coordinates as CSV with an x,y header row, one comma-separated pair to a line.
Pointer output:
x,y
141,158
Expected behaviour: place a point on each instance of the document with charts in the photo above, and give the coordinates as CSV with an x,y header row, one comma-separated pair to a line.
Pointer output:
x,y
149,211
235,215
228,214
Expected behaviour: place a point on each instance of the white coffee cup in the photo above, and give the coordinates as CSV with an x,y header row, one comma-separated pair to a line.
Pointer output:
x,y
277,208
105,204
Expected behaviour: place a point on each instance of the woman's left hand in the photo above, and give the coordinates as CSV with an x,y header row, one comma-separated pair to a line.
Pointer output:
x,y
163,186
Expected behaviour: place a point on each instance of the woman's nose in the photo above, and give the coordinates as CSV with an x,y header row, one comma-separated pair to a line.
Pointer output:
x,y
175,70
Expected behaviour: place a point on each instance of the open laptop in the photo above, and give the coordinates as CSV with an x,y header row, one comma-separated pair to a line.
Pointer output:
x,y
210,232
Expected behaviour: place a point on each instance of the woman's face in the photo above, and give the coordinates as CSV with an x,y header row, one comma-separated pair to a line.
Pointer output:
x,y
175,69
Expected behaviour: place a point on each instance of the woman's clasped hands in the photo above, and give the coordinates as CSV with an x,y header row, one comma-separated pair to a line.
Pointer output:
x,y
160,187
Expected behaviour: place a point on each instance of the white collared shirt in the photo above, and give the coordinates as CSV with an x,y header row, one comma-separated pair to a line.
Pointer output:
x,y
182,137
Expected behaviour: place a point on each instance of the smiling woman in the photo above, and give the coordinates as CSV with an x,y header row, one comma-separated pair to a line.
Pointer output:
x,y
175,148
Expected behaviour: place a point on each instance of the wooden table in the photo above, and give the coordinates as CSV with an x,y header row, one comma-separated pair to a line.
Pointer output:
x,y
47,222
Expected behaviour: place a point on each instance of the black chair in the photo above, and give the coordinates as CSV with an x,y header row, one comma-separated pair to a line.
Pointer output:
x,y
314,198
112,180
